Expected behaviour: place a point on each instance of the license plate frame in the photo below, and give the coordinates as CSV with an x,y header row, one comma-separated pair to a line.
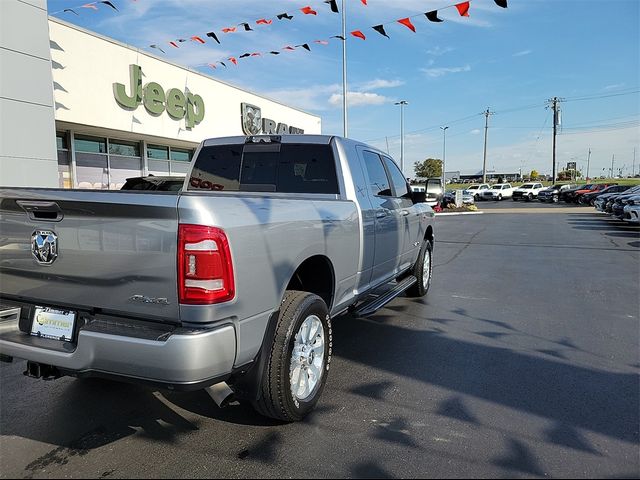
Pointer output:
x,y
54,323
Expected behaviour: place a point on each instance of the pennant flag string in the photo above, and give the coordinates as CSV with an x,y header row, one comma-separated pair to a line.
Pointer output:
x,y
462,8
89,6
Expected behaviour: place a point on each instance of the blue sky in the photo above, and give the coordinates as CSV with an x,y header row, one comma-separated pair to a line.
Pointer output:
x,y
510,60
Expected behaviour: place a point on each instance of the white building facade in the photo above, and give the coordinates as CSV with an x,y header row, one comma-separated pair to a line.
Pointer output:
x,y
118,112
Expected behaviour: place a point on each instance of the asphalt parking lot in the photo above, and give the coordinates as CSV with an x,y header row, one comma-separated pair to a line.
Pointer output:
x,y
523,361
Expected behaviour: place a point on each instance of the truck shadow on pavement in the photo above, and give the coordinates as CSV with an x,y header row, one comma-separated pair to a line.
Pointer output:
x,y
570,395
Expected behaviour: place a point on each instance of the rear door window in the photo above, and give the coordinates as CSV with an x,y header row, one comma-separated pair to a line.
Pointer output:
x,y
266,167
378,180
400,185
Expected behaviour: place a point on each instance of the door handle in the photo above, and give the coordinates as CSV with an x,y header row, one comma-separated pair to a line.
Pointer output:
x,y
381,214
404,213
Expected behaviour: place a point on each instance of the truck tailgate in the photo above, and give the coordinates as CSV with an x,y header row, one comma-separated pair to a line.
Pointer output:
x,y
116,250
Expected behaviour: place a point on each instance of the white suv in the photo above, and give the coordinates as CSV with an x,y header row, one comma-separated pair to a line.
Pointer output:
x,y
476,190
498,192
527,191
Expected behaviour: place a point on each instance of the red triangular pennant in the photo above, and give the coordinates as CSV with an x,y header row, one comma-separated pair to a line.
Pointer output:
x,y
308,11
196,38
174,44
264,21
463,8
359,34
233,60
228,30
407,23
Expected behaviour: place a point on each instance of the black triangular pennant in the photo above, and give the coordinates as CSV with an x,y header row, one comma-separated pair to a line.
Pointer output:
x,y
433,16
157,47
245,55
333,4
70,10
246,27
305,46
284,15
339,36
380,30
273,52
501,3
107,2
223,64
213,35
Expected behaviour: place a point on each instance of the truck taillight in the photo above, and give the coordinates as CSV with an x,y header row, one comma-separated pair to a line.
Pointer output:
x,y
205,271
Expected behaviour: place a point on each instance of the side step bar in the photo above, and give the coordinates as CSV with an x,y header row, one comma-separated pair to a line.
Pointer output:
x,y
370,307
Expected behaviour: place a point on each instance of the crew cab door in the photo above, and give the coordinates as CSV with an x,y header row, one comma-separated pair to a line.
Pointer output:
x,y
388,236
408,218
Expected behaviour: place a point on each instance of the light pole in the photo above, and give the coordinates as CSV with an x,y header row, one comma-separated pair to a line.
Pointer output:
x,y
444,156
402,103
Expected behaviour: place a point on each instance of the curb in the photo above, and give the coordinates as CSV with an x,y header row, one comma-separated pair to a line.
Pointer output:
x,y
457,213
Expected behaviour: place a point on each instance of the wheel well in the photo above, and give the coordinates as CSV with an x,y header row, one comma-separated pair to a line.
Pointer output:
x,y
315,275
429,234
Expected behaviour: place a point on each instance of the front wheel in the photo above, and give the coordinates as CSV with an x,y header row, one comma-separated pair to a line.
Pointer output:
x,y
555,199
423,271
299,360
500,197
530,197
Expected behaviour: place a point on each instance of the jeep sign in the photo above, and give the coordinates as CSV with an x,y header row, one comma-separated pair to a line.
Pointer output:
x,y
178,104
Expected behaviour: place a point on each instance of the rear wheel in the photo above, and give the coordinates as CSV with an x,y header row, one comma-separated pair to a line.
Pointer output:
x,y
422,270
555,199
499,197
299,360
530,197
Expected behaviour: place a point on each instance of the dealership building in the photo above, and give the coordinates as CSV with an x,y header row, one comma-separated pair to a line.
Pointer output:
x,y
80,110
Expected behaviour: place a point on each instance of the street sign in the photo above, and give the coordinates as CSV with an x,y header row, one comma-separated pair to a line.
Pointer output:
x,y
571,165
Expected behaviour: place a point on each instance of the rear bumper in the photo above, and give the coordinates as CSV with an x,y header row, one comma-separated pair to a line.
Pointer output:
x,y
116,347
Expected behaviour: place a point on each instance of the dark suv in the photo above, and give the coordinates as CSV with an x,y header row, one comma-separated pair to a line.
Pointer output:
x,y
590,198
552,193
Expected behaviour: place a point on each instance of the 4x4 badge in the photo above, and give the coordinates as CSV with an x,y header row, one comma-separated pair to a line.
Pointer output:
x,y
44,246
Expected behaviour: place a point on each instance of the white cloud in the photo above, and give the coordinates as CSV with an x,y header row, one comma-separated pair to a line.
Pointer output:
x,y
438,51
522,53
380,83
439,72
475,131
357,99
615,86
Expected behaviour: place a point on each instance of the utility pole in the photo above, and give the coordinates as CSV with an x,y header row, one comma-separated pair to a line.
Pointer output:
x,y
486,128
345,129
444,155
554,104
613,158
633,169
588,159
402,103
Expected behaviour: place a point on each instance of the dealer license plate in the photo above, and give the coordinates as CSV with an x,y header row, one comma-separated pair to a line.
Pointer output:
x,y
53,323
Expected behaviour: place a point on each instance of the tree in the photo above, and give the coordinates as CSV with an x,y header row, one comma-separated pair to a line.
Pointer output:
x,y
429,168
534,175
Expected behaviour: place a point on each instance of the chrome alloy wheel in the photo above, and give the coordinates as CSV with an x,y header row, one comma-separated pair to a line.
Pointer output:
x,y
426,269
307,358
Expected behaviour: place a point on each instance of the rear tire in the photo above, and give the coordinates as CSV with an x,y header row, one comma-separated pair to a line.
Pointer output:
x,y
530,197
555,199
423,271
276,397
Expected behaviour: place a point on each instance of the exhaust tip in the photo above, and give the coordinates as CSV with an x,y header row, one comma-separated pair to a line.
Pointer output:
x,y
221,393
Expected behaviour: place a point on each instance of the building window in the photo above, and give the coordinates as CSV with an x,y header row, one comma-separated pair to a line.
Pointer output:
x,y
124,162
92,167
64,160
163,160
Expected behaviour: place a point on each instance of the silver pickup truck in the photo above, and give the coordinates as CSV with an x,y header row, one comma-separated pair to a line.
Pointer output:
x,y
229,285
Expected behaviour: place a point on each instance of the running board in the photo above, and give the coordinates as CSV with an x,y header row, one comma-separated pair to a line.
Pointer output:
x,y
372,306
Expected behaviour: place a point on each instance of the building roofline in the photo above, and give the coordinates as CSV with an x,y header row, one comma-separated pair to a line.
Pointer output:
x,y
156,57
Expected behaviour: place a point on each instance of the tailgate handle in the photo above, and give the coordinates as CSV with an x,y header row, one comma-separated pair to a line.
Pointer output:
x,y
47,211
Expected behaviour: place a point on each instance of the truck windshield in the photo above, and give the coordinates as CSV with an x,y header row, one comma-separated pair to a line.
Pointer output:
x,y
268,167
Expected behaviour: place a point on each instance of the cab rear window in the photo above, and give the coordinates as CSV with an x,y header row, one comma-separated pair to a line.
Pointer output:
x,y
265,167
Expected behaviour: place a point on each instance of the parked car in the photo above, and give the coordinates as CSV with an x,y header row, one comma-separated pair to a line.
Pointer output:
x,y
450,198
631,212
590,198
527,191
553,193
152,182
229,286
477,189
619,204
597,188
610,199
433,190
499,191
567,194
